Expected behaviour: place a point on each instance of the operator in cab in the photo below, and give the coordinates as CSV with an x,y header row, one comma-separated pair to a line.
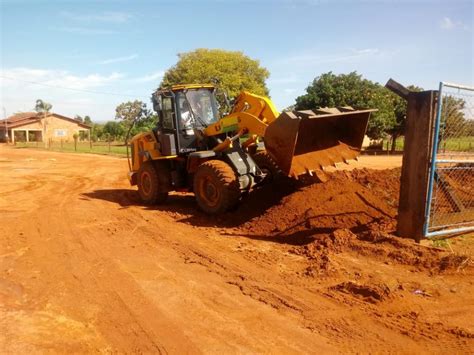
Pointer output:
x,y
187,119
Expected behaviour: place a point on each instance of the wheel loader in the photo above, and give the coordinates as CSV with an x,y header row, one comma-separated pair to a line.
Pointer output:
x,y
220,158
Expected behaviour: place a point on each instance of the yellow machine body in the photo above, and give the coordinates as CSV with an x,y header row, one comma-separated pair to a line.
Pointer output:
x,y
219,157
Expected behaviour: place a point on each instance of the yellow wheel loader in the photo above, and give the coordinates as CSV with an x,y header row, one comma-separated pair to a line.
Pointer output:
x,y
219,158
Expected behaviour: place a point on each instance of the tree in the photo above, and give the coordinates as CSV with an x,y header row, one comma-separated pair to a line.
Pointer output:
x,y
147,123
113,130
400,109
330,90
42,106
453,123
88,120
234,71
96,131
131,111
470,128
135,111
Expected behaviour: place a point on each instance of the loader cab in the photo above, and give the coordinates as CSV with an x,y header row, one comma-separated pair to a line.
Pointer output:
x,y
183,111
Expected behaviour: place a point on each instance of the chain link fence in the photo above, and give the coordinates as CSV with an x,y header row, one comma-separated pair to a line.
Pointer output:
x,y
450,205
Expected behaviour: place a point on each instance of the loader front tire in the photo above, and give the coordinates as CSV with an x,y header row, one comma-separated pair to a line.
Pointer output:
x,y
216,187
267,165
151,183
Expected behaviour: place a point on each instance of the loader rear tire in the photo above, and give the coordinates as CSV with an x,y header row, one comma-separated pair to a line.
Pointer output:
x,y
216,187
151,184
268,166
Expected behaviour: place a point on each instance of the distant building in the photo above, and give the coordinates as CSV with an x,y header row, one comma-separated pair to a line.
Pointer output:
x,y
40,127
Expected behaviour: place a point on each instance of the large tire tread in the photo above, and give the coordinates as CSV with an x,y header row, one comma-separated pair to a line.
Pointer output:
x,y
226,181
158,175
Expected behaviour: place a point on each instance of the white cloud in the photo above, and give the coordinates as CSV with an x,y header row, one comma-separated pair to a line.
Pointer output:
x,y
110,17
366,51
85,30
60,78
289,91
155,76
448,24
22,86
119,59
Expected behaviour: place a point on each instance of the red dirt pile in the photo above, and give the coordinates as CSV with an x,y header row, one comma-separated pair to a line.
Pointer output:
x,y
348,200
352,212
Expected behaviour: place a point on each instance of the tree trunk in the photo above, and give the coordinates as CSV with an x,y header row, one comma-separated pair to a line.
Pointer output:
x,y
394,143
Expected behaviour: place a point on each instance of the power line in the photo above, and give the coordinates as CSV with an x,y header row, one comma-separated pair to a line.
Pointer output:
x,y
72,89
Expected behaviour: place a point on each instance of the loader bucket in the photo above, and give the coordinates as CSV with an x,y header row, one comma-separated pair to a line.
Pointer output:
x,y
301,142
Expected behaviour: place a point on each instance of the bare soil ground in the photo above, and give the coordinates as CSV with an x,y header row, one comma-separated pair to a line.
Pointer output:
x,y
312,268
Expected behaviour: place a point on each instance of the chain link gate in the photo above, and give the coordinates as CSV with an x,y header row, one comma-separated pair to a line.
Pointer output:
x,y
450,200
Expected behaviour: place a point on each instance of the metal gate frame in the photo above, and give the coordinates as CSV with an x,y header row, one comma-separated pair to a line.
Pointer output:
x,y
433,167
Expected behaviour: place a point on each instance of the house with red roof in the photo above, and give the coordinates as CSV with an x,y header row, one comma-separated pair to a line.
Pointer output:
x,y
41,127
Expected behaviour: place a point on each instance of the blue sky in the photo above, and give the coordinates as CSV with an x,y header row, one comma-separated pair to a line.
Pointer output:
x,y
114,51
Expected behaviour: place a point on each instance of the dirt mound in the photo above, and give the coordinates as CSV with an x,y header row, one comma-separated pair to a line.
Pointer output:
x,y
368,293
383,183
319,251
376,245
352,212
348,200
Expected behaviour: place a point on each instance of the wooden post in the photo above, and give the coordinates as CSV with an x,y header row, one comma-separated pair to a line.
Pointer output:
x,y
421,113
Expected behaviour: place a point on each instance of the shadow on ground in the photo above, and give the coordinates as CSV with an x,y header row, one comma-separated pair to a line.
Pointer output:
x,y
252,204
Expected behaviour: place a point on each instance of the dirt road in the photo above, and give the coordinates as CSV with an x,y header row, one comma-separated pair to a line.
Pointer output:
x,y
84,267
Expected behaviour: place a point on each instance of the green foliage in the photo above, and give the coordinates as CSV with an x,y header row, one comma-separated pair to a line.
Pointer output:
x,y
83,135
146,124
234,70
453,123
134,112
42,106
113,131
87,120
470,127
96,131
330,90
400,109
130,111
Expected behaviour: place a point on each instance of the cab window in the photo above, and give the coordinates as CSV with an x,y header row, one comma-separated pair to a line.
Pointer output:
x,y
167,112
